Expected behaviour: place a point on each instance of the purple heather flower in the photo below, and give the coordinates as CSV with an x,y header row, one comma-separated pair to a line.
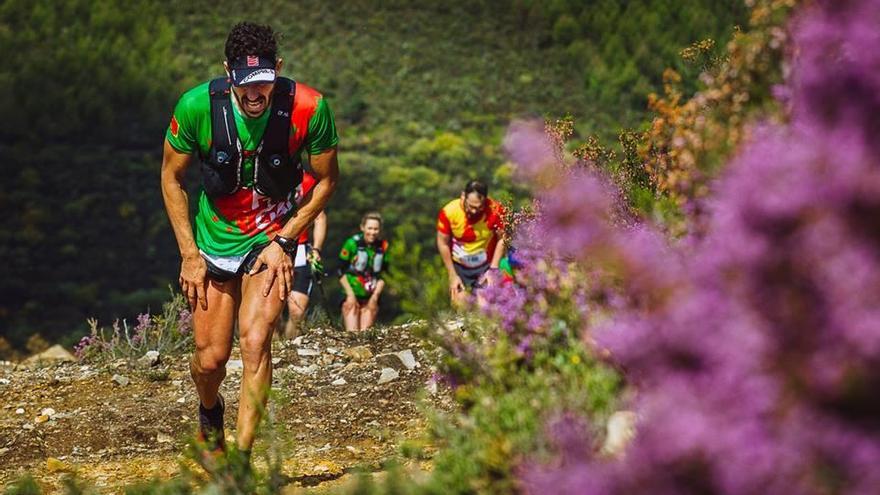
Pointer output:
x,y
755,348
184,322
529,147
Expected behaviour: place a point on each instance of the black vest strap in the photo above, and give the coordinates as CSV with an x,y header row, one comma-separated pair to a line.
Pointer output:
x,y
277,172
378,244
378,257
221,169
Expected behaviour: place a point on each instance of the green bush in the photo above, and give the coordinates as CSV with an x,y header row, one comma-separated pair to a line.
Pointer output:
x,y
417,280
505,410
85,70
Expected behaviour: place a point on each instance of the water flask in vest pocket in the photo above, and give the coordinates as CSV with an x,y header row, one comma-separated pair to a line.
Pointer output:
x,y
377,262
360,262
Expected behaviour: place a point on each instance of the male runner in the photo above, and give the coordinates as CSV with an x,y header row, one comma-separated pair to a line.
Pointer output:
x,y
308,255
363,259
470,232
247,130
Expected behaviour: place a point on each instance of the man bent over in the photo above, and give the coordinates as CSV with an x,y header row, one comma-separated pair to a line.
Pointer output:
x,y
470,233
247,130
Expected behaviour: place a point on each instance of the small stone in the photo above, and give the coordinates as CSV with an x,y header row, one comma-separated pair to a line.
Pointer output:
x,y
47,411
326,468
176,383
307,352
387,375
432,387
54,354
181,400
234,365
164,438
120,380
358,353
353,450
298,341
454,325
406,357
339,381
620,432
4,381
20,410
54,465
149,359
41,419
276,361
306,370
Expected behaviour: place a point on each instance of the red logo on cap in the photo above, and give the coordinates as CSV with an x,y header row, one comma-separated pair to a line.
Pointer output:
x,y
253,61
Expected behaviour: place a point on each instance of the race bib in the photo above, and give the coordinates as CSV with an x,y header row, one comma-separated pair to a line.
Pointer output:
x,y
473,260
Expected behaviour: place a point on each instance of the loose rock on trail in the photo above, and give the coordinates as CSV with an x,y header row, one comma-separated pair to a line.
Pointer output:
x,y
333,406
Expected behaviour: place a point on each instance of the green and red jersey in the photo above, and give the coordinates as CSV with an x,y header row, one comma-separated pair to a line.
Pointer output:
x,y
233,225
363,264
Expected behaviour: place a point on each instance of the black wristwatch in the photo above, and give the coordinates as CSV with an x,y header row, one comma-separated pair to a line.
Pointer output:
x,y
288,245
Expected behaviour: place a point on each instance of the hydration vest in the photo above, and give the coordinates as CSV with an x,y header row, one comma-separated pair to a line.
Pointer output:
x,y
359,264
277,172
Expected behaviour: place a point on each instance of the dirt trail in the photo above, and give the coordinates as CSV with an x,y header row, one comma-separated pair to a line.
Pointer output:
x,y
125,423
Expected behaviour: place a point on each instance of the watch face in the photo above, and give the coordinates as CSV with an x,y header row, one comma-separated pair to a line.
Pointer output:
x,y
285,243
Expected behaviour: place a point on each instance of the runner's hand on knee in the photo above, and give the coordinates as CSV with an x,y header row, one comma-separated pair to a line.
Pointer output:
x,y
455,284
192,280
279,266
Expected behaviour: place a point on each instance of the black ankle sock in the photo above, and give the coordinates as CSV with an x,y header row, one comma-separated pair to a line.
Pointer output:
x,y
215,414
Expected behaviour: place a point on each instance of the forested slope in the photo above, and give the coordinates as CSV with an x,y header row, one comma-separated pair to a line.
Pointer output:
x,y
422,93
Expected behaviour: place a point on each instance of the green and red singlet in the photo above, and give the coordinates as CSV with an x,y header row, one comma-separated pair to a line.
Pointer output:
x,y
361,273
232,225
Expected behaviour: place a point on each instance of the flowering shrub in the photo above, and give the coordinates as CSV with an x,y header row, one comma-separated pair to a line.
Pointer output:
x,y
689,139
169,332
755,349
505,397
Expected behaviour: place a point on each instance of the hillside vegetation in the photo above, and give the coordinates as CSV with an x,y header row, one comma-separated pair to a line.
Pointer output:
x,y
422,93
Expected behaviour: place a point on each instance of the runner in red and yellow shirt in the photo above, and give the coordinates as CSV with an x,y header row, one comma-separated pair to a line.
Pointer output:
x,y
470,232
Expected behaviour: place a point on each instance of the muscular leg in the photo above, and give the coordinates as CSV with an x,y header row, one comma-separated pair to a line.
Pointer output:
x,y
368,312
213,338
256,321
351,315
370,309
297,302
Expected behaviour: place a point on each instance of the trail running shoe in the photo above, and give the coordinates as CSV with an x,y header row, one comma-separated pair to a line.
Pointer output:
x,y
211,431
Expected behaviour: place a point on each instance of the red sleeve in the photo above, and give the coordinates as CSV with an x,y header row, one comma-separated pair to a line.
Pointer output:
x,y
308,183
443,225
496,221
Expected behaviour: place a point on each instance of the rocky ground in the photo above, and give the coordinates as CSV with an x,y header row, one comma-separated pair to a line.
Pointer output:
x,y
341,402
